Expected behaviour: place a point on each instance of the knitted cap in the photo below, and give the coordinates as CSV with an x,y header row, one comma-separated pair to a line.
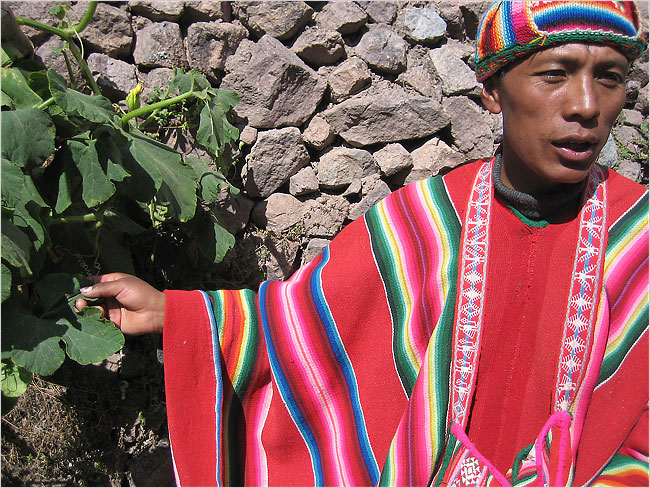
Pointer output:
x,y
510,30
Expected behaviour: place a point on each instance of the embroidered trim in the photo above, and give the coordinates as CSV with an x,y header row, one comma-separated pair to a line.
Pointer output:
x,y
583,295
469,313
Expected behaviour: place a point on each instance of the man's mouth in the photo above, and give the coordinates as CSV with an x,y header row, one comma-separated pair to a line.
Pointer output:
x,y
577,149
575,146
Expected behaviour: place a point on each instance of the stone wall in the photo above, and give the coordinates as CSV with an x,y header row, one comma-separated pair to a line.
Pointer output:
x,y
341,102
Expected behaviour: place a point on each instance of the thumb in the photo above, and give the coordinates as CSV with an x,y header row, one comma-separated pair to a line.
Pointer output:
x,y
103,289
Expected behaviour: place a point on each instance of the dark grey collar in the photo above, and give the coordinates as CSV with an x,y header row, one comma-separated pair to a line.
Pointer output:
x,y
537,207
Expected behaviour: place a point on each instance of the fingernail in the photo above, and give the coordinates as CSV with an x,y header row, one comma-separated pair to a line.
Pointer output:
x,y
85,290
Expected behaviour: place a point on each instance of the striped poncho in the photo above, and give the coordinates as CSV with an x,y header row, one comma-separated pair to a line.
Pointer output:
x,y
441,339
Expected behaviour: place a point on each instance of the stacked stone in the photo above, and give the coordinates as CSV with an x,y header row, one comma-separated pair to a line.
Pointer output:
x,y
341,102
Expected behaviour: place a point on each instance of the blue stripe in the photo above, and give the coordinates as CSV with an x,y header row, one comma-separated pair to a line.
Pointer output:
x,y
576,12
506,23
216,359
287,395
336,344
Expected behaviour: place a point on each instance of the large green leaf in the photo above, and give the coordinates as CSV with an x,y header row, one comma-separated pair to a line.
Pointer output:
x,y
173,179
97,187
88,337
210,181
214,131
183,81
15,245
15,86
58,292
6,282
91,338
18,186
13,184
15,379
27,136
215,240
31,342
94,108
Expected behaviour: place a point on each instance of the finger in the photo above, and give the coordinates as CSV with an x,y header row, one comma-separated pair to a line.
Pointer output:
x,y
80,304
102,289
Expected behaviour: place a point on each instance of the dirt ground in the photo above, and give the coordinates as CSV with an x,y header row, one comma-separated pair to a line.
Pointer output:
x,y
92,425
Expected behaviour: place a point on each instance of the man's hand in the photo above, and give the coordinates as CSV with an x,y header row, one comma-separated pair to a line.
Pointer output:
x,y
133,305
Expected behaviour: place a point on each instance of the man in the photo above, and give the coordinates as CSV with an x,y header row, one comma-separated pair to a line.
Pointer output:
x,y
488,327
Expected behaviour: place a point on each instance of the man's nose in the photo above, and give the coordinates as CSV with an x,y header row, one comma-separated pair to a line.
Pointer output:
x,y
582,98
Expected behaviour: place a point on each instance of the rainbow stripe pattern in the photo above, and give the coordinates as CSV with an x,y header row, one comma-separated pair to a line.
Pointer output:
x,y
510,30
286,355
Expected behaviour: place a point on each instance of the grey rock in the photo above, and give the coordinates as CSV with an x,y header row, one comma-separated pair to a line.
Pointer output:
x,y
160,44
38,11
354,189
281,20
109,31
276,88
210,43
158,9
630,169
391,117
248,135
325,215
627,136
234,211
281,259
155,80
318,47
383,49
422,25
276,156
608,154
50,55
318,133
380,12
345,17
451,13
303,182
420,74
379,191
314,247
115,77
456,77
280,212
348,78
642,101
472,15
470,127
340,166
206,11
429,159
392,159
632,117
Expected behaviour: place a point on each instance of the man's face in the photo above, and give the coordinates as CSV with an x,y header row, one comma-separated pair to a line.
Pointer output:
x,y
558,108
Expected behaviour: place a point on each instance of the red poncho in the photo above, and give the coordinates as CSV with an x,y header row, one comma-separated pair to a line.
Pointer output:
x,y
440,339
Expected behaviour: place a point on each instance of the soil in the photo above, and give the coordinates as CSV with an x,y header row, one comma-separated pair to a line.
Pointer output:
x,y
97,425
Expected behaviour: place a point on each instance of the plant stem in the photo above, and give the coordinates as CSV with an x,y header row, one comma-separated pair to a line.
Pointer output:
x,y
155,106
65,33
46,103
76,219
84,67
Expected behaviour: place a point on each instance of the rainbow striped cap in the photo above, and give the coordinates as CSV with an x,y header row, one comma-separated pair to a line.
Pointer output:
x,y
510,30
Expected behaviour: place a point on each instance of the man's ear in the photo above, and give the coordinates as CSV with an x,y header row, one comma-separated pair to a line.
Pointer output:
x,y
490,96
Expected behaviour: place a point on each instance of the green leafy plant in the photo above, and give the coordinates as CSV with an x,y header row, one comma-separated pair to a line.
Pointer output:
x,y
82,184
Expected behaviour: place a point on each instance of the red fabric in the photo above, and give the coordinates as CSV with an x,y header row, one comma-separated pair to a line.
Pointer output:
x,y
191,418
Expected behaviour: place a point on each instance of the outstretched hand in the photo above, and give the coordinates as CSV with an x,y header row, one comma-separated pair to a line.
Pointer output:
x,y
132,304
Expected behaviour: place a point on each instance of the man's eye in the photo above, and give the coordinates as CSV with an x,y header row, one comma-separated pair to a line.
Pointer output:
x,y
552,74
612,76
